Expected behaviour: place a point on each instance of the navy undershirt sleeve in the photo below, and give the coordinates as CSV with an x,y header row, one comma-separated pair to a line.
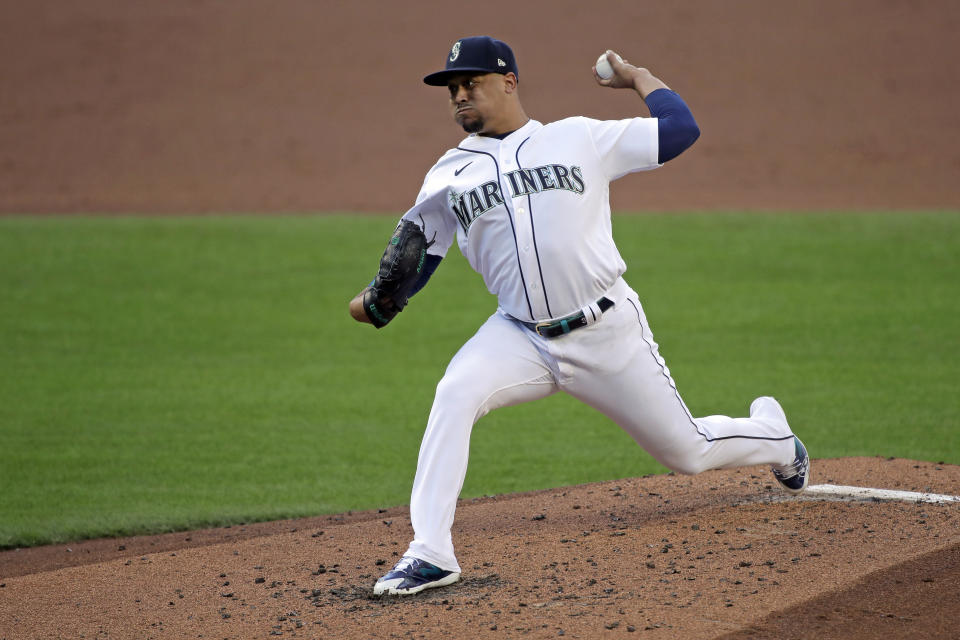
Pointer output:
x,y
676,128
429,266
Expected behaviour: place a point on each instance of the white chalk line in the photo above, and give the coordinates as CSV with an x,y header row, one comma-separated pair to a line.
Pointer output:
x,y
867,493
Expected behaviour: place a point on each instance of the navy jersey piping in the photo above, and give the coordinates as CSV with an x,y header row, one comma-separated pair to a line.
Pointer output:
x,y
513,228
533,229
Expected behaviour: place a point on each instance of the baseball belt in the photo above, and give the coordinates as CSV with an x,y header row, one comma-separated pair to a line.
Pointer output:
x,y
563,326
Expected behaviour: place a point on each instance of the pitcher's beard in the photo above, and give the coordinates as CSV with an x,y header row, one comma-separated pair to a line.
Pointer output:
x,y
471,125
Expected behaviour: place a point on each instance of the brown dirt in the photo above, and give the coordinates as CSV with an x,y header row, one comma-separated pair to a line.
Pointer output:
x,y
184,106
723,554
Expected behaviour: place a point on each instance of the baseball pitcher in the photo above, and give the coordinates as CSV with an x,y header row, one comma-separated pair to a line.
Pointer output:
x,y
528,204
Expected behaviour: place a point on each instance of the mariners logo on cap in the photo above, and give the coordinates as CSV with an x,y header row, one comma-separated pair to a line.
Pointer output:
x,y
455,51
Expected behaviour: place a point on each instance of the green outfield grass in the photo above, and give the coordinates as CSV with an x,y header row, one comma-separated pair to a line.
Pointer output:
x,y
172,373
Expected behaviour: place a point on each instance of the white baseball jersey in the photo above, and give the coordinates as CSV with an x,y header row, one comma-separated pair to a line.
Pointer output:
x,y
531,212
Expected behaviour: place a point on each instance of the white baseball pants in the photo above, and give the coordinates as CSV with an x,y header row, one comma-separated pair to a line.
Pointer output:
x,y
613,366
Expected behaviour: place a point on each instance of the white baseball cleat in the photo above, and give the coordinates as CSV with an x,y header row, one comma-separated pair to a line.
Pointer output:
x,y
795,476
413,575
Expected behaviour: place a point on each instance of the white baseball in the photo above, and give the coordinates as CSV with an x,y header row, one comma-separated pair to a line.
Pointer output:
x,y
604,70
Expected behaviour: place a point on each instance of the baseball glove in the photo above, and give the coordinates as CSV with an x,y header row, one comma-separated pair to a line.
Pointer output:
x,y
400,268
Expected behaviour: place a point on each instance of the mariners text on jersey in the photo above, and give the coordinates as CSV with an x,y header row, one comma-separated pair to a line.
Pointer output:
x,y
537,208
471,204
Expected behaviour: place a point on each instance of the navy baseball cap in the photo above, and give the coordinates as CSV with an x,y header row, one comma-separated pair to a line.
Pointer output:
x,y
476,54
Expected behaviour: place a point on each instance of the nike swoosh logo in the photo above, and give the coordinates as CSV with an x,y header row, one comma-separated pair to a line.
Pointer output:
x,y
460,170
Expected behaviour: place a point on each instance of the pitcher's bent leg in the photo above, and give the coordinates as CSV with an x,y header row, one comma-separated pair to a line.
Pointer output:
x,y
643,399
497,367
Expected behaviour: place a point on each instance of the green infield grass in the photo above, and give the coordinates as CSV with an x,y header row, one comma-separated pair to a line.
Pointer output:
x,y
162,374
